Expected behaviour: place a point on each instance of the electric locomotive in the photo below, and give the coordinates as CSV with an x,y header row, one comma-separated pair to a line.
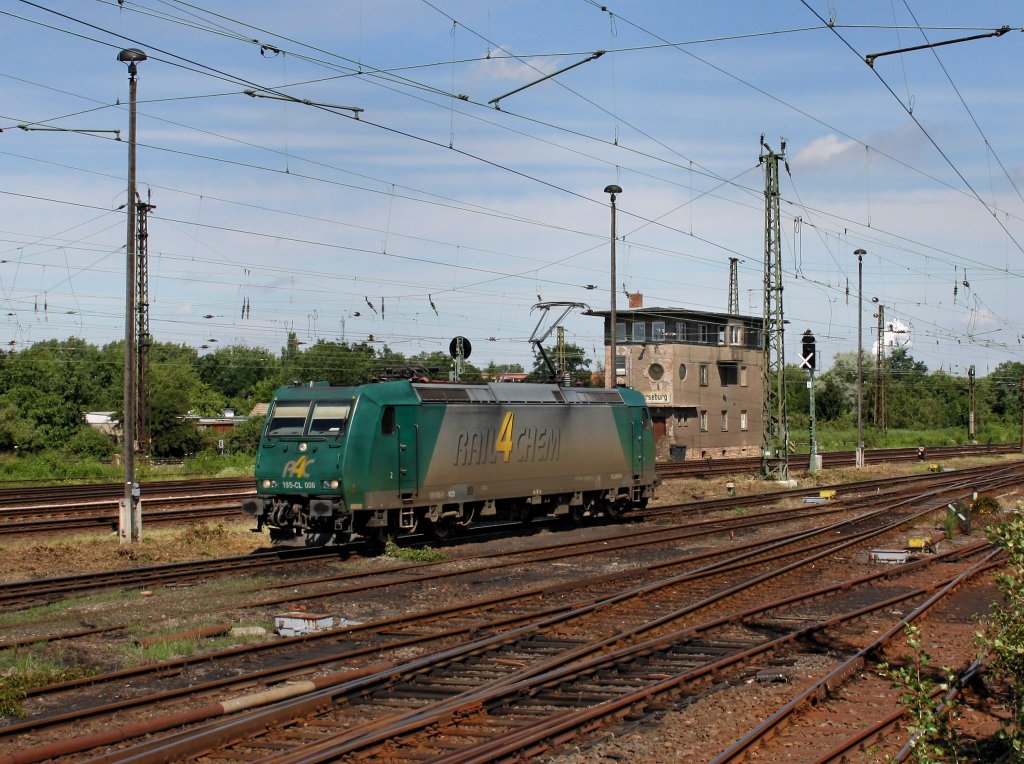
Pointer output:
x,y
396,457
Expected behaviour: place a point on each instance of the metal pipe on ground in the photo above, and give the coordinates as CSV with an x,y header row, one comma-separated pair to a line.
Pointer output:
x,y
203,713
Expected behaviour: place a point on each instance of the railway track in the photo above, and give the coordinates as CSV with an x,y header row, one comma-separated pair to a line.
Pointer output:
x,y
45,509
35,591
534,676
830,459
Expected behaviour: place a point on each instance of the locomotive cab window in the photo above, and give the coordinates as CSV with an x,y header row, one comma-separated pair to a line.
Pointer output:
x,y
288,418
387,421
329,418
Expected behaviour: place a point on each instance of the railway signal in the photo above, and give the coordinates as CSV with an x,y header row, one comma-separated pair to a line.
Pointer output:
x,y
808,359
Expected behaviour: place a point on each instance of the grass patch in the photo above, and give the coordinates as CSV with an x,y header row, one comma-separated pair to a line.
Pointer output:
x,y
39,613
136,654
53,466
21,670
423,554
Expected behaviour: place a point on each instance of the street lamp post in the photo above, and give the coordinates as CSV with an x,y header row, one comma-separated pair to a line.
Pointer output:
x,y
860,367
130,519
611,371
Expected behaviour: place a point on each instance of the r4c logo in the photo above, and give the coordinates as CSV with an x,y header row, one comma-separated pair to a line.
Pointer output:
x,y
503,445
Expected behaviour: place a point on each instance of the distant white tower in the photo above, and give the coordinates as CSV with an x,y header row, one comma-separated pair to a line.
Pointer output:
x,y
896,335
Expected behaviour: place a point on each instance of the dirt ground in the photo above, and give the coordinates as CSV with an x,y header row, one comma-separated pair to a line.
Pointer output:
x,y
671,736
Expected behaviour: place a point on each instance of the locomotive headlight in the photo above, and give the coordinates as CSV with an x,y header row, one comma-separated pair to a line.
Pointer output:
x,y
331,484
266,484
303,446
335,484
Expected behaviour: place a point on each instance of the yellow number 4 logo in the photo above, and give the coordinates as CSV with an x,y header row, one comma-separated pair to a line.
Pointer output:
x,y
503,445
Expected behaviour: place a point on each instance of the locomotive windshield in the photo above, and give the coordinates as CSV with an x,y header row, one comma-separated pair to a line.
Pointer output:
x,y
293,418
288,418
329,418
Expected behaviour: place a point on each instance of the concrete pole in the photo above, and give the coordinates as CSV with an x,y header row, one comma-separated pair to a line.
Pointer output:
x,y
130,517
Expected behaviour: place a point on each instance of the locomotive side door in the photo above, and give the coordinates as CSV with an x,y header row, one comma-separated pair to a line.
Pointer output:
x,y
406,457
641,423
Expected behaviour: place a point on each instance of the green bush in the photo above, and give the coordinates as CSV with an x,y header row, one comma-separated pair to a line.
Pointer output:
x,y
922,695
1003,635
245,438
90,442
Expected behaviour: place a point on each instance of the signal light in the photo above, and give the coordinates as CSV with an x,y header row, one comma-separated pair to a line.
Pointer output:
x,y
807,351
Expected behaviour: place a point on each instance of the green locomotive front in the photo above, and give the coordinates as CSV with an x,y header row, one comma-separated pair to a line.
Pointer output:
x,y
396,457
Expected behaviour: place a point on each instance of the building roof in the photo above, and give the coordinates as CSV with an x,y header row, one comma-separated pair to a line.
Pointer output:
x,y
676,313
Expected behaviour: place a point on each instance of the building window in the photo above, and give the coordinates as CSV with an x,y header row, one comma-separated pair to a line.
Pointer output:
x,y
721,335
735,335
620,365
685,331
682,372
743,419
655,371
703,421
725,421
639,331
743,376
658,331
704,333
704,375
728,373
620,331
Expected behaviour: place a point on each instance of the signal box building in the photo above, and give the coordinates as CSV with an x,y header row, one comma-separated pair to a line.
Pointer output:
x,y
700,373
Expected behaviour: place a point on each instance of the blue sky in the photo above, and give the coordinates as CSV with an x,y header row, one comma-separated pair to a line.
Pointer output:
x,y
436,214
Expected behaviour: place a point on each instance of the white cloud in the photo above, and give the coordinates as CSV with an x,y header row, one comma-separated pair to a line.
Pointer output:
x,y
825,150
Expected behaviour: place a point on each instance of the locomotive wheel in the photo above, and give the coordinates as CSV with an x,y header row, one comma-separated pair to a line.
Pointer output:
x,y
377,536
442,530
446,527
617,509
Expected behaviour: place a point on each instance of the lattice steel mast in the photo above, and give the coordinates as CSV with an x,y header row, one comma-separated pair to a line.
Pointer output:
x,y
880,413
734,286
774,422
143,436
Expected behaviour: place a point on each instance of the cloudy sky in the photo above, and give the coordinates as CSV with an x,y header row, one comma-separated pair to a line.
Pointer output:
x,y
435,213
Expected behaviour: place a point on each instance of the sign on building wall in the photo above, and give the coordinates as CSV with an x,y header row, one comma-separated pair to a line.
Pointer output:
x,y
659,398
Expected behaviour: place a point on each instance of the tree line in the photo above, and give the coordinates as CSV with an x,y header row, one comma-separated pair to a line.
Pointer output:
x,y
913,398
46,388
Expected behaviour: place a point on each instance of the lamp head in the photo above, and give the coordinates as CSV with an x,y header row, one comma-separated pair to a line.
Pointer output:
x,y
860,252
131,56
613,189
